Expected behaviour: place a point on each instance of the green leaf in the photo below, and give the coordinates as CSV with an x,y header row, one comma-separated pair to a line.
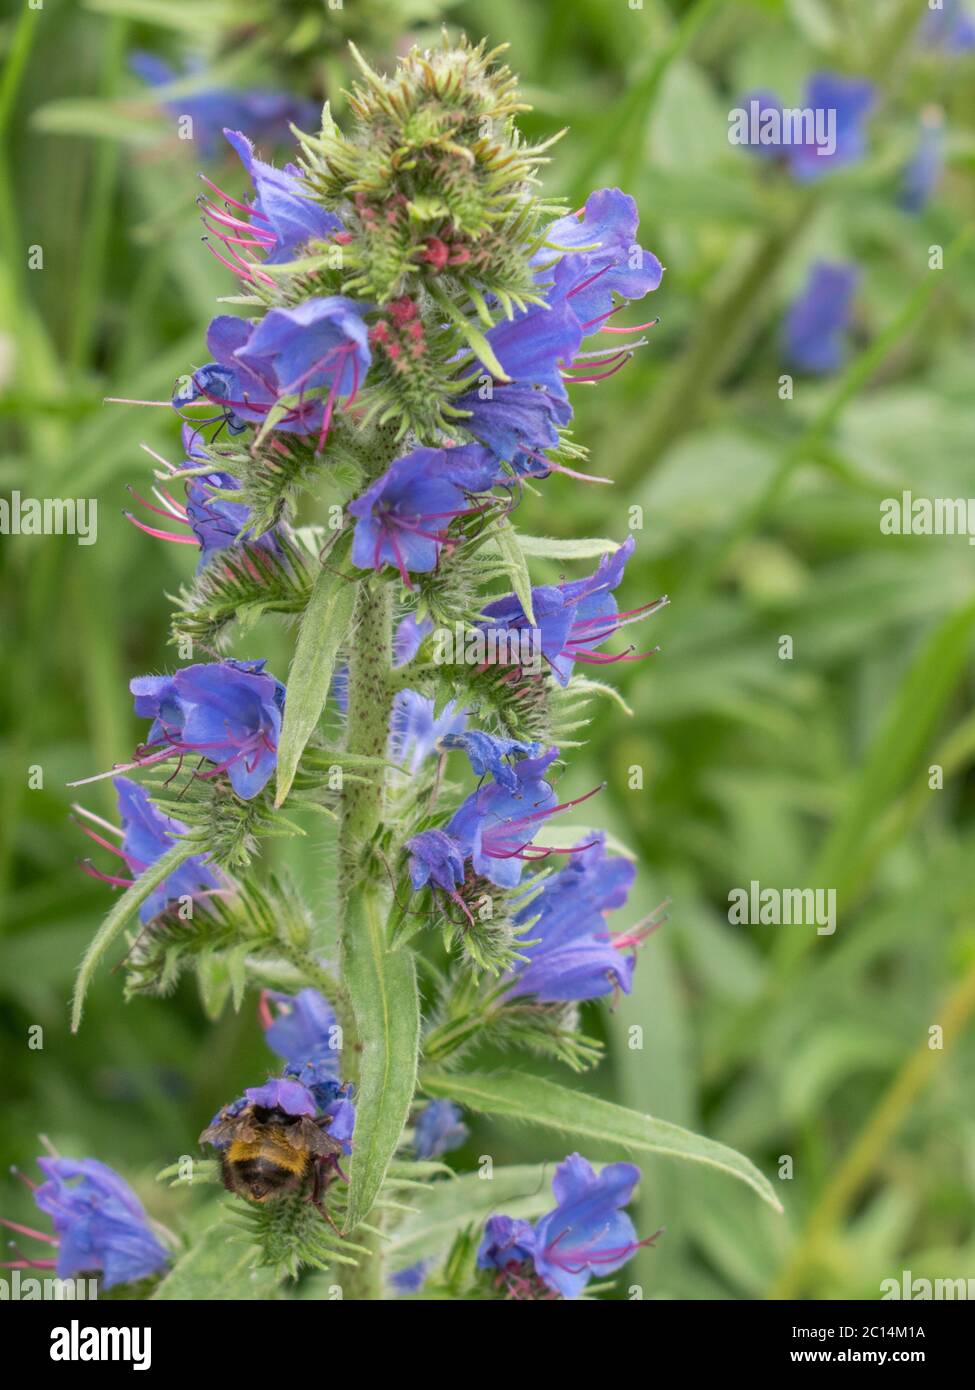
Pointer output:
x,y
126,907
475,339
218,1267
545,548
325,623
508,543
520,1096
383,991
445,1208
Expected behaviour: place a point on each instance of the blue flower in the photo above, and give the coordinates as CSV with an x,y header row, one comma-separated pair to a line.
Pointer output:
x,y
923,172
848,99
245,390
268,115
438,1129
602,258
949,28
408,638
404,516
488,753
436,858
320,343
572,619
415,730
410,1279
852,99
226,712
508,1242
495,826
818,319
282,217
148,835
220,524
303,1034
100,1222
586,1234
571,954
519,418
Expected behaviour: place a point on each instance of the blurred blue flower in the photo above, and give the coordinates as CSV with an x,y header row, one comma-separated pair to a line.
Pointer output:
x,y
101,1224
148,834
267,115
848,100
923,172
950,28
227,712
303,1034
409,637
573,956
410,1279
817,321
415,730
438,1129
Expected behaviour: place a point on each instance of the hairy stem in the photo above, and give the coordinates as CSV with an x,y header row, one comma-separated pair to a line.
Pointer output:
x,y
370,702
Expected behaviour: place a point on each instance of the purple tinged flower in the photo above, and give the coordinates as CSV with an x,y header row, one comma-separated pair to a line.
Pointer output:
x,y
573,619
571,953
923,172
436,858
147,836
495,826
488,753
587,1234
226,712
602,258
507,1244
817,322
438,1129
408,638
403,518
267,114
282,1093
415,730
100,1222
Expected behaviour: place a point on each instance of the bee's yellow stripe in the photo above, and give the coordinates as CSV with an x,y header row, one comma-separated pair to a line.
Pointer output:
x,y
283,1155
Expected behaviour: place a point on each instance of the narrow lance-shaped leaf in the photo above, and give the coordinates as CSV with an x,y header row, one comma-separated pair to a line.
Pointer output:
x,y
126,908
516,565
324,625
537,1101
382,988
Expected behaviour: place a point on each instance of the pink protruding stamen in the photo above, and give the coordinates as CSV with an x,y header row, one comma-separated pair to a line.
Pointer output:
x,y
28,1231
160,535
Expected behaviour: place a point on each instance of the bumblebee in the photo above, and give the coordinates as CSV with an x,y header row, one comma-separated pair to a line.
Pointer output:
x,y
266,1152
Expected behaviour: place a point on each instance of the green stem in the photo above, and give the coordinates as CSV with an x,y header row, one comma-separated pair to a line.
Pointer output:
x,y
370,707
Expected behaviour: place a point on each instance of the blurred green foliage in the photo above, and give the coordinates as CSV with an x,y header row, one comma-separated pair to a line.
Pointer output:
x,y
761,519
